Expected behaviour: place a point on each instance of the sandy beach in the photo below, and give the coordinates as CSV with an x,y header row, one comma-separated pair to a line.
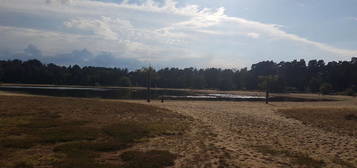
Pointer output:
x,y
256,135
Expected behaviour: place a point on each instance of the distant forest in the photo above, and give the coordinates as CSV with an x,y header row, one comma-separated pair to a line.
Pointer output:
x,y
294,76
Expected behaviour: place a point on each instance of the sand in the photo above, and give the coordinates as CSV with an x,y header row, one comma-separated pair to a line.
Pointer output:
x,y
233,134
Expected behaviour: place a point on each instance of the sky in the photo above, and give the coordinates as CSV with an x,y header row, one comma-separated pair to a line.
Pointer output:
x,y
177,33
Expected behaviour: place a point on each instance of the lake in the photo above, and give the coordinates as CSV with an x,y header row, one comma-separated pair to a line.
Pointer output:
x,y
122,93
132,93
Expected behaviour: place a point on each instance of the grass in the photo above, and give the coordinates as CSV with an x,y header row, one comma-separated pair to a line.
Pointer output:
x,y
306,160
22,142
268,150
131,131
343,163
78,159
75,132
104,146
65,134
296,158
127,132
351,117
339,120
22,164
149,159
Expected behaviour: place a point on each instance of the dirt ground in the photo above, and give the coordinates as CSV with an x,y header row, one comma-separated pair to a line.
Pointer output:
x,y
256,135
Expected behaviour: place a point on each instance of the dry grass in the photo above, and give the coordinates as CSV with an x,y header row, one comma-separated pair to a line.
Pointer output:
x,y
296,158
338,120
240,125
68,133
149,159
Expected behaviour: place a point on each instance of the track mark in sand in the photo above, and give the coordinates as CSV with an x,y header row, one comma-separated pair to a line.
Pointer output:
x,y
240,128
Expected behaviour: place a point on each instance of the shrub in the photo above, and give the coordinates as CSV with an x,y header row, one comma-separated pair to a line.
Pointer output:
x,y
64,134
90,146
325,88
127,132
18,142
350,92
149,159
22,164
351,117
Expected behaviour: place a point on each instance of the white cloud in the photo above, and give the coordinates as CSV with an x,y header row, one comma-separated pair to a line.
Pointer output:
x,y
274,32
160,31
253,35
106,27
353,18
59,1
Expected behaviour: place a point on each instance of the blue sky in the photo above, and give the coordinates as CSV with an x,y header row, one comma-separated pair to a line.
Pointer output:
x,y
182,33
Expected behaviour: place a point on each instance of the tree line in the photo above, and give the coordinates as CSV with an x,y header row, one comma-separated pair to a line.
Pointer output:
x,y
293,76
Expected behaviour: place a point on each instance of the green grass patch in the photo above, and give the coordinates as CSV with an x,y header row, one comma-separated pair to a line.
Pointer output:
x,y
149,159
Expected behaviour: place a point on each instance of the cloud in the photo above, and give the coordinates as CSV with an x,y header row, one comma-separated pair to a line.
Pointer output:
x,y
153,31
353,18
100,27
79,57
253,35
32,50
58,1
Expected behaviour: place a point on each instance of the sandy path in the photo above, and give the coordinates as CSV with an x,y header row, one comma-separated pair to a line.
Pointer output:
x,y
239,129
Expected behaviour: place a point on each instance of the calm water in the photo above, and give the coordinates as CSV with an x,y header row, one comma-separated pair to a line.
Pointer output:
x,y
126,93
123,93
88,92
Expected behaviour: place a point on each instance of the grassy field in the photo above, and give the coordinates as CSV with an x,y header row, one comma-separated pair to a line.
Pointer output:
x,y
52,132
78,133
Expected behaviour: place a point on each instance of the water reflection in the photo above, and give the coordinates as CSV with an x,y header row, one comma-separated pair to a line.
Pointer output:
x,y
87,92
131,93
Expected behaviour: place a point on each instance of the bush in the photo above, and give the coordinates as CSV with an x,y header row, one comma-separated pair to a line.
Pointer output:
x,y
350,92
351,117
22,164
127,132
325,88
150,159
